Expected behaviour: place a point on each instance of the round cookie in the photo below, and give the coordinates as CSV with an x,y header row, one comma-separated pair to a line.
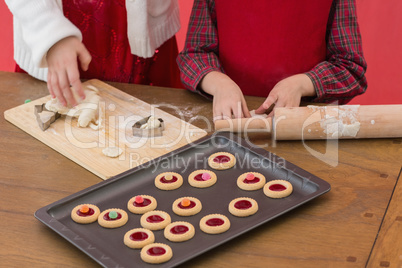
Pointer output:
x,y
214,224
251,181
186,206
85,213
168,181
278,189
155,220
179,231
202,178
141,203
156,253
138,238
221,160
112,218
243,207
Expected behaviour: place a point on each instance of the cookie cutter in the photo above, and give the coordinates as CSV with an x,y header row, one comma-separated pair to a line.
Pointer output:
x,y
45,124
145,132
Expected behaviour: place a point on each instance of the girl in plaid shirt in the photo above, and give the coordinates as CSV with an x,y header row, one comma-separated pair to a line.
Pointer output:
x,y
286,51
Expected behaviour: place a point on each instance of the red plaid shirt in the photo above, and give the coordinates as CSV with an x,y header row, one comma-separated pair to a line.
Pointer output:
x,y
339,78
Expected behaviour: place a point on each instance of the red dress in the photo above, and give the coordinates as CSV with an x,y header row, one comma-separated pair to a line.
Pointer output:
x,y
104,28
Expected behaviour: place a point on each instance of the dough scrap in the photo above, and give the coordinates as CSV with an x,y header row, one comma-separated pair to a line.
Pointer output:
x,y
112,151
253,114
152,123
86,111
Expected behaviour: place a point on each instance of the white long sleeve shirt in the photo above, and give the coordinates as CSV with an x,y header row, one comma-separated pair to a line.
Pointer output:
x,y
39,24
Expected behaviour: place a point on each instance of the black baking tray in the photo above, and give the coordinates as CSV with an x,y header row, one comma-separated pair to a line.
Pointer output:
x,y
106,246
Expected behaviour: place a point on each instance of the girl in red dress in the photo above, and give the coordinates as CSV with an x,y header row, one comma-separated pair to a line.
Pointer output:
x,y
120,41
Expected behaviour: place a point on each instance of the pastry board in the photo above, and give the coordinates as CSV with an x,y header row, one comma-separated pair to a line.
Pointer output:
x,y
119,112
106,246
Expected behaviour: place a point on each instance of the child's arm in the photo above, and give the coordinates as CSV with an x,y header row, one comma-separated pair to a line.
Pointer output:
x,y
340,78
288,93
63,69
228,98
200,68
42,24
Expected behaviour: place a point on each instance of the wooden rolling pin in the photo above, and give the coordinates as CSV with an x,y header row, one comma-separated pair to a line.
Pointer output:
x,y
323,122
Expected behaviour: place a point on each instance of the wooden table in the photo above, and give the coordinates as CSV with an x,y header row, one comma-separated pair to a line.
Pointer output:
x,y
357,224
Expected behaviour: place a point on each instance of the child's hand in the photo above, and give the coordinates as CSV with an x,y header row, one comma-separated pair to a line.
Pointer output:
x,y
288,93
62,60
228,98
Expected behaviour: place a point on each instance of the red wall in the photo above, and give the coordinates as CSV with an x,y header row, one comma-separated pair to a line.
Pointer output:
x,y
6,40
380,24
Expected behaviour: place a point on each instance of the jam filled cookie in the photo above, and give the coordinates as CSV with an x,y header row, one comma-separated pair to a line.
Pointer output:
x,y
156,253
112,218
186,206
243,207
179,231
168,181
278,189
138,238
221,161
141,203
85,213
251,181
214,224
155,220
202,178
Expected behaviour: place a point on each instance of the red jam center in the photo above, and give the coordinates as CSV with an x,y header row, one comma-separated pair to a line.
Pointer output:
x,y
156,251
277,187
138,236
243,204
215,222
198,177
164,180
255,180
155,219
89,213
222,159
179,229
145,203
107,218
192,204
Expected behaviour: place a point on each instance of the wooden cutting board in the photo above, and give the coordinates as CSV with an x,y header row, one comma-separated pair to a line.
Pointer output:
x,y
120,111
